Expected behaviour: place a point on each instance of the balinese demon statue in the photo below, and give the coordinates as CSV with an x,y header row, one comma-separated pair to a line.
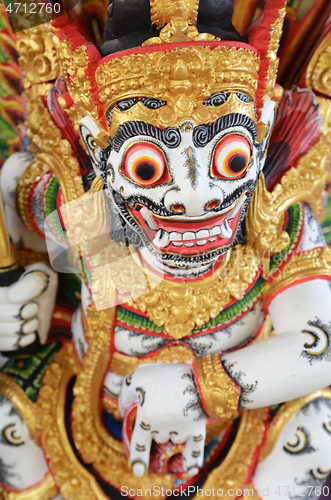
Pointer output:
x,y
175,339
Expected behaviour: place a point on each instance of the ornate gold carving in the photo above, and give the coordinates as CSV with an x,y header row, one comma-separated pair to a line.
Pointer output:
x,y
219,393
123,365
28,257
163,11
283,416
107,454
21,402
73,480
232,473
196,72
276,34
264,224
92,440
51,152
45,490
305,265
38,58
179,307
31,175
74,64
175,114
318,74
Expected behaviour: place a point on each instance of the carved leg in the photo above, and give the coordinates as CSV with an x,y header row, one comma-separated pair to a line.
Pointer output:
x,y
300,460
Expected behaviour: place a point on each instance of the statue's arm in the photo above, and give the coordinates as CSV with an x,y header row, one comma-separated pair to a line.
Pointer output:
x,y
26,306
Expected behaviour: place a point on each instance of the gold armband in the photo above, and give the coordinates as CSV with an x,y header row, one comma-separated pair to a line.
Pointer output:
x,y
304,266
220,395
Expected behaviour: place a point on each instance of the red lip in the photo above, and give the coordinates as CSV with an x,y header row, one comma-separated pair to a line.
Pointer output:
x,y
199,244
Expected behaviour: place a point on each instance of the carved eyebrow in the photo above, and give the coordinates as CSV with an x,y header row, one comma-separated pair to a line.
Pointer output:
x,y
169,136
203,134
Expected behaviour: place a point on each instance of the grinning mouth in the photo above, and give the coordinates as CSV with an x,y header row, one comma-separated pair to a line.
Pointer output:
x,y
188,237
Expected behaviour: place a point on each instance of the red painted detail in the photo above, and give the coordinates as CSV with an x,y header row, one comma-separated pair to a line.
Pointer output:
x,y
145,154
62,121
296,130
30,205
181,227
259,35
58,207
165,47
297,282
227,150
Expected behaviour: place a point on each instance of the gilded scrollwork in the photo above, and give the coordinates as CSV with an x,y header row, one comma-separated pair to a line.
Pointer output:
x,y
220,393
38,58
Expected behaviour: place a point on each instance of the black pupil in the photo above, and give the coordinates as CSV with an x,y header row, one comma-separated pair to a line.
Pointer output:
x,y
237,163
145,171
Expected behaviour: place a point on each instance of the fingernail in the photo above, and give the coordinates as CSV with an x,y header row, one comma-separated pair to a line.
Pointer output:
x,y
138,469
27,340
30,326
29,310
192,471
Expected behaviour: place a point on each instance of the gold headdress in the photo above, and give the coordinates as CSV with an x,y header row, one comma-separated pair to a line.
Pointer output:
x,y
180,66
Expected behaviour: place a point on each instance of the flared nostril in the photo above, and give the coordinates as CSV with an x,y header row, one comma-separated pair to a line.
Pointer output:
x,y
177,208
212,205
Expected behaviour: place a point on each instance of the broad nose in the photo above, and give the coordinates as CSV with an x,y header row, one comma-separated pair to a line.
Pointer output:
x,y
193,201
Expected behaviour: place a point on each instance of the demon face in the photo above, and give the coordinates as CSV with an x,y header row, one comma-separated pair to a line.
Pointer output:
x,y
184,190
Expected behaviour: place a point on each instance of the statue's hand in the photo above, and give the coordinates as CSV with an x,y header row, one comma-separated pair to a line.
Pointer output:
x,y
168,409
26,309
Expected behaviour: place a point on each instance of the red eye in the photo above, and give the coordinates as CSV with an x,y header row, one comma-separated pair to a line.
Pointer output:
x,y
145,165
232,157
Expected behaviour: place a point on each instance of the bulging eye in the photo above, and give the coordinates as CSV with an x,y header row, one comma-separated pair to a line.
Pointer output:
x,y
232,157
145,165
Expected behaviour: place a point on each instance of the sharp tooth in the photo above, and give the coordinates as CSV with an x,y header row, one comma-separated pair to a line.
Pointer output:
x,y
204,233
215,231
161,239
236,209
201,242
177,243
189,245
148,218
189,236
175,236
226,231
212,239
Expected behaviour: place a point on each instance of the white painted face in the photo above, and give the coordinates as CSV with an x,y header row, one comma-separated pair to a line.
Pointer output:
x,y
184,191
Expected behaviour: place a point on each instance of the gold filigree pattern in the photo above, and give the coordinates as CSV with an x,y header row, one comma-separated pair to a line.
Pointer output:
x,y
123,365
37,55
182,108
196,72
107,454
51,154
74,64
45,490
92,440
28,257
318,74
163,11
276,34
21,402
305,265
220,394
283,416
264,224
73,480
180,307
232,473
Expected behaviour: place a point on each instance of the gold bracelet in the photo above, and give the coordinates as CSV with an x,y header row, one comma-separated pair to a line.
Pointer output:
x,y
219,393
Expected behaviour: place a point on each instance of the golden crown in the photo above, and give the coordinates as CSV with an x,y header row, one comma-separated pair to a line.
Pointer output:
x,y
181,66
